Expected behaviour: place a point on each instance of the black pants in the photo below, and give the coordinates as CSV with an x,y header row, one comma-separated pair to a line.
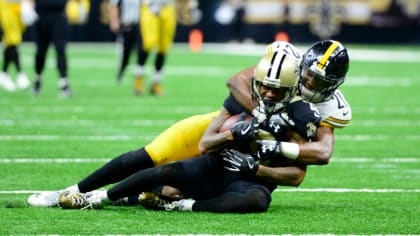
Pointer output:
x,y
130,37
51,27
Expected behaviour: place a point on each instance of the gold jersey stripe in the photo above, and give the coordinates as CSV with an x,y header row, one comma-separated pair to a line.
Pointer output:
x,y
337,120
327,54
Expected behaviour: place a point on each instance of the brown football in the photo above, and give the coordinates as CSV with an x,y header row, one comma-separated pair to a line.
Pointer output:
x,y
231,121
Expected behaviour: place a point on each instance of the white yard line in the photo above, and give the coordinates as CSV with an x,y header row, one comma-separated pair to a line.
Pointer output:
x,y
150,136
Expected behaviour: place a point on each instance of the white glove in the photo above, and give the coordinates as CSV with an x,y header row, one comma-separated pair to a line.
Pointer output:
x,y
27,13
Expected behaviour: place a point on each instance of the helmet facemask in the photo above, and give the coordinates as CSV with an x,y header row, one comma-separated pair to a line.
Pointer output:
x,y
317,95
325,61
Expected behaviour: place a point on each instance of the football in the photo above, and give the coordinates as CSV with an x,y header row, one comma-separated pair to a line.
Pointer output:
x,y
262,134
231,121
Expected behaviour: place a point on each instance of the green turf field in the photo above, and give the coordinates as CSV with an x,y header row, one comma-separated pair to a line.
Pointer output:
x,y
371,186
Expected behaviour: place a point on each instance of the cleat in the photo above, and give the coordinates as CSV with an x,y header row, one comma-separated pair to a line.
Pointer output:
x,y
37,87
90,200
22,81
139,85
181,205
44,199
69,200
65,92
6,82
157,89
154,201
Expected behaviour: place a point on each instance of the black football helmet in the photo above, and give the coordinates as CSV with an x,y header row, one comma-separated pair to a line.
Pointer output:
x,y
328,61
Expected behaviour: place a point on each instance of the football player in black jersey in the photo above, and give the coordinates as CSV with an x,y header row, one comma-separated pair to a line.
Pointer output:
x,y
228,180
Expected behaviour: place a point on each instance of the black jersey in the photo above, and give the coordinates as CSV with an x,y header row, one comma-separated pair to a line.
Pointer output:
x,y
50,6
304,115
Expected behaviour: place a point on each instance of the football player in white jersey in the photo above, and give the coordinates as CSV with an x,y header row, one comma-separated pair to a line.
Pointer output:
x,y
324,68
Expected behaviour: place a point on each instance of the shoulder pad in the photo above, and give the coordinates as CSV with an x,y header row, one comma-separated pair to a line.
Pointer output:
x,y
335,112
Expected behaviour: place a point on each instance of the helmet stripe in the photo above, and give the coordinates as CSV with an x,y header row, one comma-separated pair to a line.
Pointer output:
x,y
327,54
275,65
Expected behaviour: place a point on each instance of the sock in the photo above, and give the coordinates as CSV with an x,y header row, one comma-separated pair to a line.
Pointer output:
x,y
38,77
186,204
157,78
138,70
62,83
73,188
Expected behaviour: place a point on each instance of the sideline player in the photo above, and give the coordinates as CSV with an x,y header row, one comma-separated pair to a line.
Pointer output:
x,y
158,25
170,146
15,16
52,26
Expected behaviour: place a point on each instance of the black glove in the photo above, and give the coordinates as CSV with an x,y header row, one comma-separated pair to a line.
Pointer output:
x,y
239,162
267,149
279,123
245,130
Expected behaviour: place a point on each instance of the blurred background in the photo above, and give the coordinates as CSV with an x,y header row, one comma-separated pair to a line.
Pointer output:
x,y
300,21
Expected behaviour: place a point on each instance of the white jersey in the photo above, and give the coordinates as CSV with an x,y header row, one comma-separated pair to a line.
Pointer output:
x,y
335,112
129,10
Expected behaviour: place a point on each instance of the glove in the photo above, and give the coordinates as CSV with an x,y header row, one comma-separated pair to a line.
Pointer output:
x,y
267,149
278,123
245,130
239,162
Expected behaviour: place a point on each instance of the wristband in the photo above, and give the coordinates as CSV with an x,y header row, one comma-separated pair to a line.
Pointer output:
x,y
289,150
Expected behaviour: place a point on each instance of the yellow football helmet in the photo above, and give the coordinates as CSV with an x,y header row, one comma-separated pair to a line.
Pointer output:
x,y
77,11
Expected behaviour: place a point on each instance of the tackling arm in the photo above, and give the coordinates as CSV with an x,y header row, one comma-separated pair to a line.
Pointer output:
x,y
288,173
240,87
284,176
212,140
317,152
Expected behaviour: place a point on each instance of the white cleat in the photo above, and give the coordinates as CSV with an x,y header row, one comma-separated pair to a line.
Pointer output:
x,y
6,82
22,81
44,199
